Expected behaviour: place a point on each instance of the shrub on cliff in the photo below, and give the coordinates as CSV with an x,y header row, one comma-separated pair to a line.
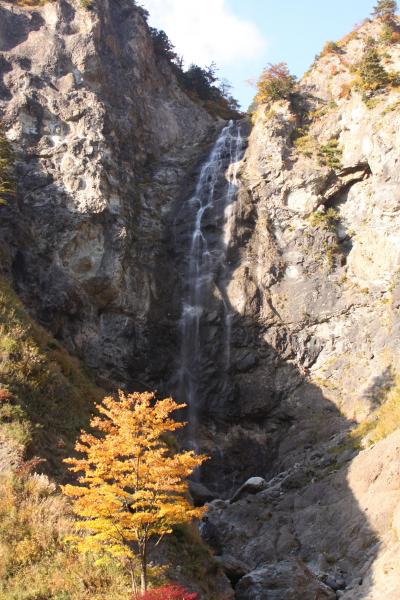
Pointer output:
x,y
330,48
162,44
7,183
275,83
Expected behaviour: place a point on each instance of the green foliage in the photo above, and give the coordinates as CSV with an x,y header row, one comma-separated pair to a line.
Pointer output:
x,y
45,396
385,9
201,84
331,249
372,73
371,103
304,142
201,81
275,83
7,182
162,45
327,220
330,154
389,34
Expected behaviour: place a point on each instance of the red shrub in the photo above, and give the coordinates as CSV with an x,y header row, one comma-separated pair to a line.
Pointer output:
x,y
5,395
168,592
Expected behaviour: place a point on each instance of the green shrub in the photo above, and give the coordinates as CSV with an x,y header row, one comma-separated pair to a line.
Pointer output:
x,y
389,34
327,220
330,154
304,142
7,182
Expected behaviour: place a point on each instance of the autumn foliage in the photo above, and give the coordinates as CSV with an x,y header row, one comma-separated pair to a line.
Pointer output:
x,y
167,592
275,83
132,488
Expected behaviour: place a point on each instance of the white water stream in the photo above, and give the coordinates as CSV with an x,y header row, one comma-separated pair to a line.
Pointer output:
x,y
213,210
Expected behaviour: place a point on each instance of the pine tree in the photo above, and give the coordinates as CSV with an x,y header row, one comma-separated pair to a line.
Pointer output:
x,y
385,9
132,486
373,74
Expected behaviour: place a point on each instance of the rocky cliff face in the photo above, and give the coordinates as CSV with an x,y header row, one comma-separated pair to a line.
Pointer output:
x,y
107,151
314,283
106,142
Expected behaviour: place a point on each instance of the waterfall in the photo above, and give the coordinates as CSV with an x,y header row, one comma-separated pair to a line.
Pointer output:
x,y
211,217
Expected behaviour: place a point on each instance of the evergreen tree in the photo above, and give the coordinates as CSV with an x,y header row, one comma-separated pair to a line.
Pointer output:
x,y
163,45
373,74
385,9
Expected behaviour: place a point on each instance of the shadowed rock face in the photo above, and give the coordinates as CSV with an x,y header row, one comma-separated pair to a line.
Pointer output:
x,y
314,344
108,152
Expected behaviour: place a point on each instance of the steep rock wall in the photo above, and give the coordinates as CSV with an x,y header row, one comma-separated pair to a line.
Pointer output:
x,y
105,142
106,149
314,283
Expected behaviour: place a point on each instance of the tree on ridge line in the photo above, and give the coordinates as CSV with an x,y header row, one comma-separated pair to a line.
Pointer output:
x,y
385,9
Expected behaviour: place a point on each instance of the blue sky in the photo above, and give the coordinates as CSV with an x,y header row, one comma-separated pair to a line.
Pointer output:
x,y
242,36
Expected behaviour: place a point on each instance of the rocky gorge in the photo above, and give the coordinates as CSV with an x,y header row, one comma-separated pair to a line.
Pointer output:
x,y
293,351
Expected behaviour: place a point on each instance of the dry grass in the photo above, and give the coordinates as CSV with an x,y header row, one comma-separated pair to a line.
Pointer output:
x,y
35,562
46,396
32,3
384,421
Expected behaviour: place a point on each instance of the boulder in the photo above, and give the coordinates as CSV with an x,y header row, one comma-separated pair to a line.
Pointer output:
x,y
287,580
254,485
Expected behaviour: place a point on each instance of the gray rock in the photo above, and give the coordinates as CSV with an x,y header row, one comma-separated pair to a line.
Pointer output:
x,y
200,493
233,568
288,580
254,485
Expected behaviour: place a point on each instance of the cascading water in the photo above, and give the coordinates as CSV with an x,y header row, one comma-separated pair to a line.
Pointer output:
x,y
212,213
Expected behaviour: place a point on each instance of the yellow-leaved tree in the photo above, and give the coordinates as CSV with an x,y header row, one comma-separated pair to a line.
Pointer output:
x,y
132,487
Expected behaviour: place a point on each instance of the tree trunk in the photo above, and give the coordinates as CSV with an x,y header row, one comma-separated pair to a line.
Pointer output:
x,y
133,581
143,572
